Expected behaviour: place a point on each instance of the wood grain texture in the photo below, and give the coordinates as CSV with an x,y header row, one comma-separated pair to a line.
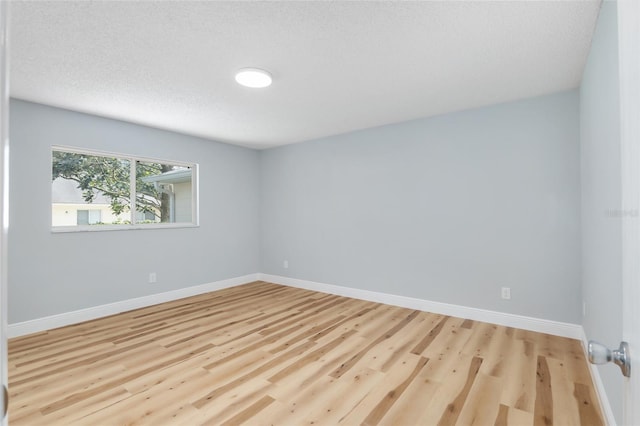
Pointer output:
x,y
265,354
543,413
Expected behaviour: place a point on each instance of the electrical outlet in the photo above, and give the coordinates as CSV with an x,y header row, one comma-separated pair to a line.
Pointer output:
x,y
285,264
152,277
506,293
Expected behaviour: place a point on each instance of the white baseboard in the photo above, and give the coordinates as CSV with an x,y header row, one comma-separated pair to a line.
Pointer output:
x,y
556,328
597,382
74,317
511,320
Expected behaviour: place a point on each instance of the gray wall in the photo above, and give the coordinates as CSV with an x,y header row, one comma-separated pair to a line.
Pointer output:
x,y
55,273
447,209
601,199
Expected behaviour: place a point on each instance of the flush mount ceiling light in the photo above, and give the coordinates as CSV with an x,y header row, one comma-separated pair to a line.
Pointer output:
x,y
253,77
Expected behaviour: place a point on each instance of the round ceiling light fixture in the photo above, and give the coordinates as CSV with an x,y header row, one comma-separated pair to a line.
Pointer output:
x,y
253,77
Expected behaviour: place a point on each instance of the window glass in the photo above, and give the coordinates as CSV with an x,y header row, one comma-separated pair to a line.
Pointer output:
x,y
90,190
163,192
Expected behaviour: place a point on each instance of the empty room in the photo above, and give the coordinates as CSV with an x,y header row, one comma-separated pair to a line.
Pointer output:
x,y
320,212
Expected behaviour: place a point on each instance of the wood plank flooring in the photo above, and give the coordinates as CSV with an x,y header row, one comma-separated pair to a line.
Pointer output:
x,y
266,354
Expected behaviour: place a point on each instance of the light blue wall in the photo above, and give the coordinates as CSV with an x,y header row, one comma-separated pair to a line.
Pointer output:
x,y
601,197
447,209
56,273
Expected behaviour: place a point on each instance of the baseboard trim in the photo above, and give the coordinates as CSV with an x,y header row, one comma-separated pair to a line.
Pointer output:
x,y
74,317
556,328
599,385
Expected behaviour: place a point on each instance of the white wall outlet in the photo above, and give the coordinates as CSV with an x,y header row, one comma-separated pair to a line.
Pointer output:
x,y
285,264
506,293
152,277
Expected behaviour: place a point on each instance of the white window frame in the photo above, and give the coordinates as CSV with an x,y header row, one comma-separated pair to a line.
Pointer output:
x,y
195,204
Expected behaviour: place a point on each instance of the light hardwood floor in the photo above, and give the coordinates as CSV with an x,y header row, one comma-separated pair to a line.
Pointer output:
x,y
268,354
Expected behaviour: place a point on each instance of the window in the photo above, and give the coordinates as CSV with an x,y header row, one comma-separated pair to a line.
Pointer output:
x,y
100,191
88,217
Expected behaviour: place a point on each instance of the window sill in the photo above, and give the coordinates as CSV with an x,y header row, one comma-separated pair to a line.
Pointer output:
x,y
104,228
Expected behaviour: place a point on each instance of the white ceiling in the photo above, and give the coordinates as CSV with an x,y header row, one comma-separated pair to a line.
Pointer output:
x,y
337,66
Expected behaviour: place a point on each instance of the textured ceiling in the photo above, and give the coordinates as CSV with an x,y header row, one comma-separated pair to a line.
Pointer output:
x,y
337,66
